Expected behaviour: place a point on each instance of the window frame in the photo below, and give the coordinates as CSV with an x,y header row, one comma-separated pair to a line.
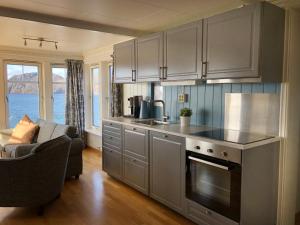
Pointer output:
x,y
91,96
56,65
40,86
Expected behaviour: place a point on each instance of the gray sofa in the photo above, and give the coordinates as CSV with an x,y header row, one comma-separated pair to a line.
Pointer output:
x,y
36,179
48,131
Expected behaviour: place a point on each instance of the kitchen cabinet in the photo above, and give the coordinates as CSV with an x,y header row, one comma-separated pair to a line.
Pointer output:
x,y
167,167
149,57
244,43
136,159
112,162
112,149
124,62
136,174
183,51
136,143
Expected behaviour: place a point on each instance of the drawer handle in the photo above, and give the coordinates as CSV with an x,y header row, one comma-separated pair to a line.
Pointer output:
x,y
210,150
134,128
110,151
197,147
134,160
165,135
110,138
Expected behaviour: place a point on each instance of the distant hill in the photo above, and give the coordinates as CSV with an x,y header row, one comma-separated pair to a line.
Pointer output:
x,y
31,88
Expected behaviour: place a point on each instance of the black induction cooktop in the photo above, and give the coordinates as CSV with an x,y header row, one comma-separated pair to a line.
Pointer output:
x,y
233,136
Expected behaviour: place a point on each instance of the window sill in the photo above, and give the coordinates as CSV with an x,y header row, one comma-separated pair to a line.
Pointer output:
x,y
95,131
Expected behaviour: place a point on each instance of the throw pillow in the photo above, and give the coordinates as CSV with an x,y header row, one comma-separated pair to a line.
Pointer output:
x,y
24,132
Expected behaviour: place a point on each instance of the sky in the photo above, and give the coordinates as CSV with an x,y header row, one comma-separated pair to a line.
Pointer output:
x,y
13,69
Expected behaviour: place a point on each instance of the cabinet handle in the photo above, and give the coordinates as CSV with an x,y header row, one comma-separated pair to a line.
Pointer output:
x,y
133,75
134,128
204,70
161,72
165,73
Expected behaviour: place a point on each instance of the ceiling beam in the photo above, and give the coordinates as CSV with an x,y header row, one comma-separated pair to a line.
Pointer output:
x,y
67,22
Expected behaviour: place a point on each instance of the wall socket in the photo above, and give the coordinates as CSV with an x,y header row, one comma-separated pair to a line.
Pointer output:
x,y
182,98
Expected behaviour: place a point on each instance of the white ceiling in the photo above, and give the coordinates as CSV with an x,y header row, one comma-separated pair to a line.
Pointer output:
x,y
147,15
69,39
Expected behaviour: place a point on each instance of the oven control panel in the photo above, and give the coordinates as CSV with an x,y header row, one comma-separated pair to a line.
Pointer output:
x,y
214,150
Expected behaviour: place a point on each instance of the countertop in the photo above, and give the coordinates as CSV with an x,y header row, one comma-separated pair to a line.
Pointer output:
x,y
176,129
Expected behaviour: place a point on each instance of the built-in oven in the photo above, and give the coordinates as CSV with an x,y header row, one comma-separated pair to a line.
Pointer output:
x,y
213,177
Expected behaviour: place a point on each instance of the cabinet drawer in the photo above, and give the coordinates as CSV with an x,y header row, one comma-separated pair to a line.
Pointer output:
x,y
112,162
136,174
204,216
111,140
136,143
112,128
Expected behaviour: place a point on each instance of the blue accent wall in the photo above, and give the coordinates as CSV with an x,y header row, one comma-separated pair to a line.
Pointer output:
x,y
207,100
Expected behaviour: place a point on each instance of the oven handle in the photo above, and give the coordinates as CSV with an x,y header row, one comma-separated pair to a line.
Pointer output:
x,y
208,163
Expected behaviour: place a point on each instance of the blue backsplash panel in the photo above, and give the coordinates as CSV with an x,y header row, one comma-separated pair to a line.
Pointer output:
x,y
207,100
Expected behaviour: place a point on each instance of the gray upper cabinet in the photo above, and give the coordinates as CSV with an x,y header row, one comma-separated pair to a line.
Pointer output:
x,y
183,51
124,62
167,169
244,43
149,57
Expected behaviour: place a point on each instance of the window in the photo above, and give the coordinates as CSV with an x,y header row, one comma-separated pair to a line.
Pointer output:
x,y
95,96
59,75
22,92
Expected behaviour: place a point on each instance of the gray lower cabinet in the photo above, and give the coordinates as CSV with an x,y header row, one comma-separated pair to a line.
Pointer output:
x,y
112,149
167,163
136,174
112,162
136,158
136,143
245,43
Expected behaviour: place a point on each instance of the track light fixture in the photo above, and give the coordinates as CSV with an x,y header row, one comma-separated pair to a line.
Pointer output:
x,y
41,40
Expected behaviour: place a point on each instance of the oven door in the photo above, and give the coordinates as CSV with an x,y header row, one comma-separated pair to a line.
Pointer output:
x,y
214,183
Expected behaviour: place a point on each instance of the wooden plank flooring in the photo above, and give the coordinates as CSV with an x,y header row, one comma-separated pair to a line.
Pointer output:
x,y
96,199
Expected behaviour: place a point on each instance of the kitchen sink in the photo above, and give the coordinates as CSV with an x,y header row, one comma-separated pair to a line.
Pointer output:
x,y
151,122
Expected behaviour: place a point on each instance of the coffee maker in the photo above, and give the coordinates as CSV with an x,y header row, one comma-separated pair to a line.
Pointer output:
x,y
135,106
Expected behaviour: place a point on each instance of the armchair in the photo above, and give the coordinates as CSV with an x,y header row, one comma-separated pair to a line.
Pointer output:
x,y
35,179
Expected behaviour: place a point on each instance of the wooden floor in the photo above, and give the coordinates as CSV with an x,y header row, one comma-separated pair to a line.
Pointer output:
x,y
95,199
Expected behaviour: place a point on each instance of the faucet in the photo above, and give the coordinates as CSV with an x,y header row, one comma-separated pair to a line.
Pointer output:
x,y
164,117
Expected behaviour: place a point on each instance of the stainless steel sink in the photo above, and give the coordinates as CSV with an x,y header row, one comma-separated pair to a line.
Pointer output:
x,y
151,122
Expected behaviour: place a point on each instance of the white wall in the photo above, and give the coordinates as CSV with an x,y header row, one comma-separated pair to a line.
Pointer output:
x,y
98,57
45,59
290,124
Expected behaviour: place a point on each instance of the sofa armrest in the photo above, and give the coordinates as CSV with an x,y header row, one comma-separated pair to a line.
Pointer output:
x,y
77,146
23,150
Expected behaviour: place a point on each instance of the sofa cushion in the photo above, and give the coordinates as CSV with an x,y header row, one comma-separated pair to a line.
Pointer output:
x,y
24,131
45,131
60,130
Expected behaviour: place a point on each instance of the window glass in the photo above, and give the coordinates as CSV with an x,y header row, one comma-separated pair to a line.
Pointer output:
x,y
22,92
59,75
95,81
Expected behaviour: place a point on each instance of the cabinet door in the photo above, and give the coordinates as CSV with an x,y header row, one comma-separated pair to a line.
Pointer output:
x,y
136,174
183,50
124,62
167,169
231,43
149,56
136,143
112,162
